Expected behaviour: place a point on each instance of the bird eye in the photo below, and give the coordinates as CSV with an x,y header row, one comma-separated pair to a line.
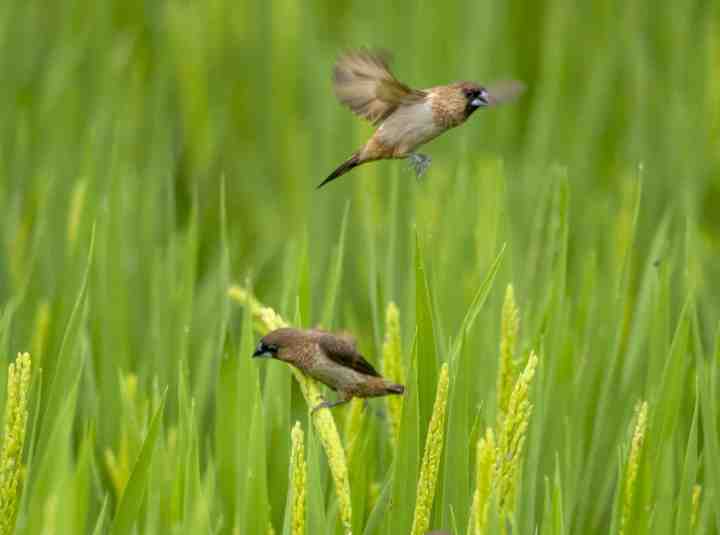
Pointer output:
x,y
264,349
472,94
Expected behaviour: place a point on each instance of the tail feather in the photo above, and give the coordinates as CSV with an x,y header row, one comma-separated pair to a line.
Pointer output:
x,y
343,168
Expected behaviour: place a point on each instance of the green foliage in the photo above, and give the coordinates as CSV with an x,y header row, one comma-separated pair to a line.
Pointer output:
x,y
153,154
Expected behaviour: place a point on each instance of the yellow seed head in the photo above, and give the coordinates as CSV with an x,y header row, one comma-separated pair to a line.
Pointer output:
x,y
16,414
512,434
265,319
431,457
636,449
486,451
118,466
393,368
297,480
330,439
509,327
134,418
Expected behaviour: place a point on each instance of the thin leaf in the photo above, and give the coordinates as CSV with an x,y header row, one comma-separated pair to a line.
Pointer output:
x,y
132,498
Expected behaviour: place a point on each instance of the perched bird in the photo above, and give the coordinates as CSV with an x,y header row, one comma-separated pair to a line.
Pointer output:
x,y
406,118
331,359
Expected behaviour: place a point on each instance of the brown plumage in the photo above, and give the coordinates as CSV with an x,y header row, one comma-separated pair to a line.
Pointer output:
x,y
331,359
406,118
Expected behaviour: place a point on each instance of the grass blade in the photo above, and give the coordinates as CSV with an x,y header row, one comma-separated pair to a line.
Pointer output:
x,y
132,498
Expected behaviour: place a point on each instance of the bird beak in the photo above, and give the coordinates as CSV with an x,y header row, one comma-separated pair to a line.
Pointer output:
x,y
259,353
480,102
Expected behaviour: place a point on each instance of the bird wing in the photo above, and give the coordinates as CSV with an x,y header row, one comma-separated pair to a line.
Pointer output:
x,y
343,352
364,83
504,91
344,335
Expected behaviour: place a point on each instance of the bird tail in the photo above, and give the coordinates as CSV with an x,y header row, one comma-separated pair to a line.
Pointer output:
x,y
392,388
343,168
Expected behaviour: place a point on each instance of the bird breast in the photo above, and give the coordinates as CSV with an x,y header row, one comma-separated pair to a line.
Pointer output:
x,y
409,127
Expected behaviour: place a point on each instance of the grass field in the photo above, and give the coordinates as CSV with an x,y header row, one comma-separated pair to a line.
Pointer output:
x,y
555,275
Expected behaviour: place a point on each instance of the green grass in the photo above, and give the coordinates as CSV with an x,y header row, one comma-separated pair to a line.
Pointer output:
x,y
153,154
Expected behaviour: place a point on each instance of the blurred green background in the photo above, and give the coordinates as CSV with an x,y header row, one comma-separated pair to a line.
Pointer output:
x,y
151,153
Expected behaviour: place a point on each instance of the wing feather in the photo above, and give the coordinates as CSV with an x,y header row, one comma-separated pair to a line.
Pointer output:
x,y
342,351
344,335
364,83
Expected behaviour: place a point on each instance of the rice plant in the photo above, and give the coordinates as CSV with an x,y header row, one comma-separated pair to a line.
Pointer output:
x,y
547,293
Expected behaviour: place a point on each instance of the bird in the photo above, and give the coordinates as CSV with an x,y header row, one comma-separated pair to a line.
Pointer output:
x,y
332,359
406,118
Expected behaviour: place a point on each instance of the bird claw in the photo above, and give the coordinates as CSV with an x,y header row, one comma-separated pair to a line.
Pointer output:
x,y
328,405
419,163
319,406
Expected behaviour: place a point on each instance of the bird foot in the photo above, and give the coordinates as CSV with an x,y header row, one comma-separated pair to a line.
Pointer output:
x,y
328,405
419,163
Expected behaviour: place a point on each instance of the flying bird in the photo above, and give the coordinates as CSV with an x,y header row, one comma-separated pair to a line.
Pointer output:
x,y
331,359
406,118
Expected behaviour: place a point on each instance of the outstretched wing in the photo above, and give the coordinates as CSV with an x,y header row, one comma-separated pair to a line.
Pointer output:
x,y
343,352
504,91
364,83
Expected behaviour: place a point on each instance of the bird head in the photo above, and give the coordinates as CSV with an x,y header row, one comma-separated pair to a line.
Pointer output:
x,y
274,344
476,97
